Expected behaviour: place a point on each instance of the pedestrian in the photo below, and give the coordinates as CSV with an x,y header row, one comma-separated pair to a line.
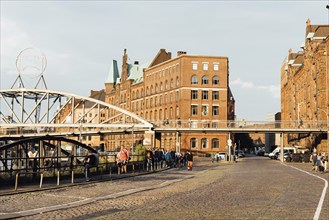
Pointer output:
x,y
122,159
314,158
189,158
90,161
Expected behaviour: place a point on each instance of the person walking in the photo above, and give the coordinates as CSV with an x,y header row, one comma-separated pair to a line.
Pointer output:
x,y
189,158
122,159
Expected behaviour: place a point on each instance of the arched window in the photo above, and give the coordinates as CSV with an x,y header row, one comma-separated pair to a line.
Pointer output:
x,y
205,80
215,80
151,115
193,143
167,86
152,92
215,143
160,114
142,93
155,115
161,86
177,81
146,115
147,91
204,143
171,83
156,88
133,95
137,94
194,80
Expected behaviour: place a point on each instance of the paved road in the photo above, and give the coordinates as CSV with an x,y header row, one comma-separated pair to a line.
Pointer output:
x,y
253,188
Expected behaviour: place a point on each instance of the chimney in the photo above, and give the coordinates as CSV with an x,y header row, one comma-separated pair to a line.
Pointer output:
x,y
136,62
180,53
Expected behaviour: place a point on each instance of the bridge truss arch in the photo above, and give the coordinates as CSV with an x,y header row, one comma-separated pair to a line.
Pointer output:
x,y
34,111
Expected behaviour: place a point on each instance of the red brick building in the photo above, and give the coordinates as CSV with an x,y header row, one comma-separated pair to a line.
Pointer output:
x,y
304,87
188,90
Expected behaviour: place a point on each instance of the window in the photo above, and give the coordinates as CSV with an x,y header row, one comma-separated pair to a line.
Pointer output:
x,y
171,97
204,143
160,100
90,114
205,110
193,142
136,106
194,80
147,91
194,110
205,95
171,83
215,80
171,112
146,103
177,95
177,81
177,110
152,91
156,101
215,110
161,86
205,66
215,95
133,95
215,66
166,99
194,94
215,143
215,124
151,100
205,80
167,86
156,88
137,94
194,66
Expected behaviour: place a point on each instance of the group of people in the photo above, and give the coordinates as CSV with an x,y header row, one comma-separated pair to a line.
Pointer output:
x,y
159,158
154,159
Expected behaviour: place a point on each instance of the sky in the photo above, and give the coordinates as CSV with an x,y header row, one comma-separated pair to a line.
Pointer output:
x,y
80,39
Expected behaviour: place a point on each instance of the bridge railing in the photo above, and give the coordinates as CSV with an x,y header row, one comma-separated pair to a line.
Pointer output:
x,y
214,124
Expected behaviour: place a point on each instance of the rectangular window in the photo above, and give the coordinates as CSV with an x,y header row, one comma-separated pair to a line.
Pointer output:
x,y
205,66
160,100
205,110
215,67
194,110
205,95
177,96
194,94
194,66
215,95
151,100
166,98
170,97
215,110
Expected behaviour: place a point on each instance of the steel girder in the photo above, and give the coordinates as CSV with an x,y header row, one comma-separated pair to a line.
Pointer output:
x,y
24,111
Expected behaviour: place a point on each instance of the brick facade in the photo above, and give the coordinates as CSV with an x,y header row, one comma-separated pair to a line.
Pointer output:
x,y
304,89
188,89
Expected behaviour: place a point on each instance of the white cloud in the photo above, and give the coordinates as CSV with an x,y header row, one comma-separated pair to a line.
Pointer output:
x,y
273,89
239,82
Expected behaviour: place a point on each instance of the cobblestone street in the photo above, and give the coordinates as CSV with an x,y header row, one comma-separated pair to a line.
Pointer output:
x,y
253,188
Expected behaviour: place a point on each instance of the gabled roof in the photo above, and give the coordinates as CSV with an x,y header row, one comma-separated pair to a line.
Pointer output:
x,y
135,72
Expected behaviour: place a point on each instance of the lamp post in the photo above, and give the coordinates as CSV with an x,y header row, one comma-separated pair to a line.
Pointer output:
x,y
327,84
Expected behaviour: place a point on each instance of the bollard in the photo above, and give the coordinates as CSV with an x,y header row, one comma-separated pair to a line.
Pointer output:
x,y
16,181
41,179
57,178
72,177
326,168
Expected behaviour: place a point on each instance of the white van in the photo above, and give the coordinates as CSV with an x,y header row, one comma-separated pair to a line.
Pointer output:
x,y
277,150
